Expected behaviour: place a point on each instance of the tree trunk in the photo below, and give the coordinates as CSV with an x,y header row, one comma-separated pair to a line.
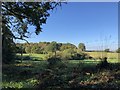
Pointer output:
x,y
55,54
21,54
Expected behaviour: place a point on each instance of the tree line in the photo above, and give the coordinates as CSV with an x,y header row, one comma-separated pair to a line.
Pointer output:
x,y
46,47
53,49
16,17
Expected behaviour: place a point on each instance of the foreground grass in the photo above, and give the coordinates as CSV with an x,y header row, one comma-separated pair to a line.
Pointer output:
x,y
80,74
66,74
22,75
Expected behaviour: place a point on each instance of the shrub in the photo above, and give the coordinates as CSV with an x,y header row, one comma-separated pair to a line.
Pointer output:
x,y
103,64
118,50
49,55
76,56
107,50
80,56
53,60
67,54
71,54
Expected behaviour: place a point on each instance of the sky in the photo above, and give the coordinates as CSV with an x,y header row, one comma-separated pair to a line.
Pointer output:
x,y
94,24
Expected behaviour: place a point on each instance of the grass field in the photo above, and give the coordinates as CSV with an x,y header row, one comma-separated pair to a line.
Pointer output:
x,y
35,56
110,55
66,74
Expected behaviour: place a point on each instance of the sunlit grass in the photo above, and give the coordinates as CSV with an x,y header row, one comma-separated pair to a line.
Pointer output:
x,y
35,56
110,55
29,83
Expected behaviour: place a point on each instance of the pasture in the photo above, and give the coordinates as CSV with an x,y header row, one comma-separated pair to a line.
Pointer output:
x,y
110,55
66,74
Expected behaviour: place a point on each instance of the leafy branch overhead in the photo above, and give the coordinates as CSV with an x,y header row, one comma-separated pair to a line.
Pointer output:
x,y
18,15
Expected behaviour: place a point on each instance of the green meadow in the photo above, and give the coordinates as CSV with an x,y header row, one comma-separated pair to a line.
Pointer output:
x,y
70,73
53,45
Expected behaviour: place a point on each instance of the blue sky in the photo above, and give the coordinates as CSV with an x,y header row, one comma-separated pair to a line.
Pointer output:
x,y
95,24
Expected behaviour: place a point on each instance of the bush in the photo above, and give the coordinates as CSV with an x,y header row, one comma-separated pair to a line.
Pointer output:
x,y
107,50
66,56
49,55
53,60
103,64
118,50
76,56
70,54
80,56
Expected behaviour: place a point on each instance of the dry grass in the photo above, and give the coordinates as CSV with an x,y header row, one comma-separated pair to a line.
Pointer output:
x,y
103,54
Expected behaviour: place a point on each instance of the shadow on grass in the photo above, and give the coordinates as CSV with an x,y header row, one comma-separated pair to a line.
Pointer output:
x,y
66,74
80,75
22,71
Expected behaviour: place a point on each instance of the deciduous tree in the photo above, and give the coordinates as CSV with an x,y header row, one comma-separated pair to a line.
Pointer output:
x,y
82,47
16,16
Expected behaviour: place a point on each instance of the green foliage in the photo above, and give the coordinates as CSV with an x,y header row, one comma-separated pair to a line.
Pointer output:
x,y
52,47
72,54
22,75
20,48
20,13
78,76
107,50
67,46
82,47
28,49
60,50
118,50
67,54
70,74
16,16
103,64
35,49
45,47
53,60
